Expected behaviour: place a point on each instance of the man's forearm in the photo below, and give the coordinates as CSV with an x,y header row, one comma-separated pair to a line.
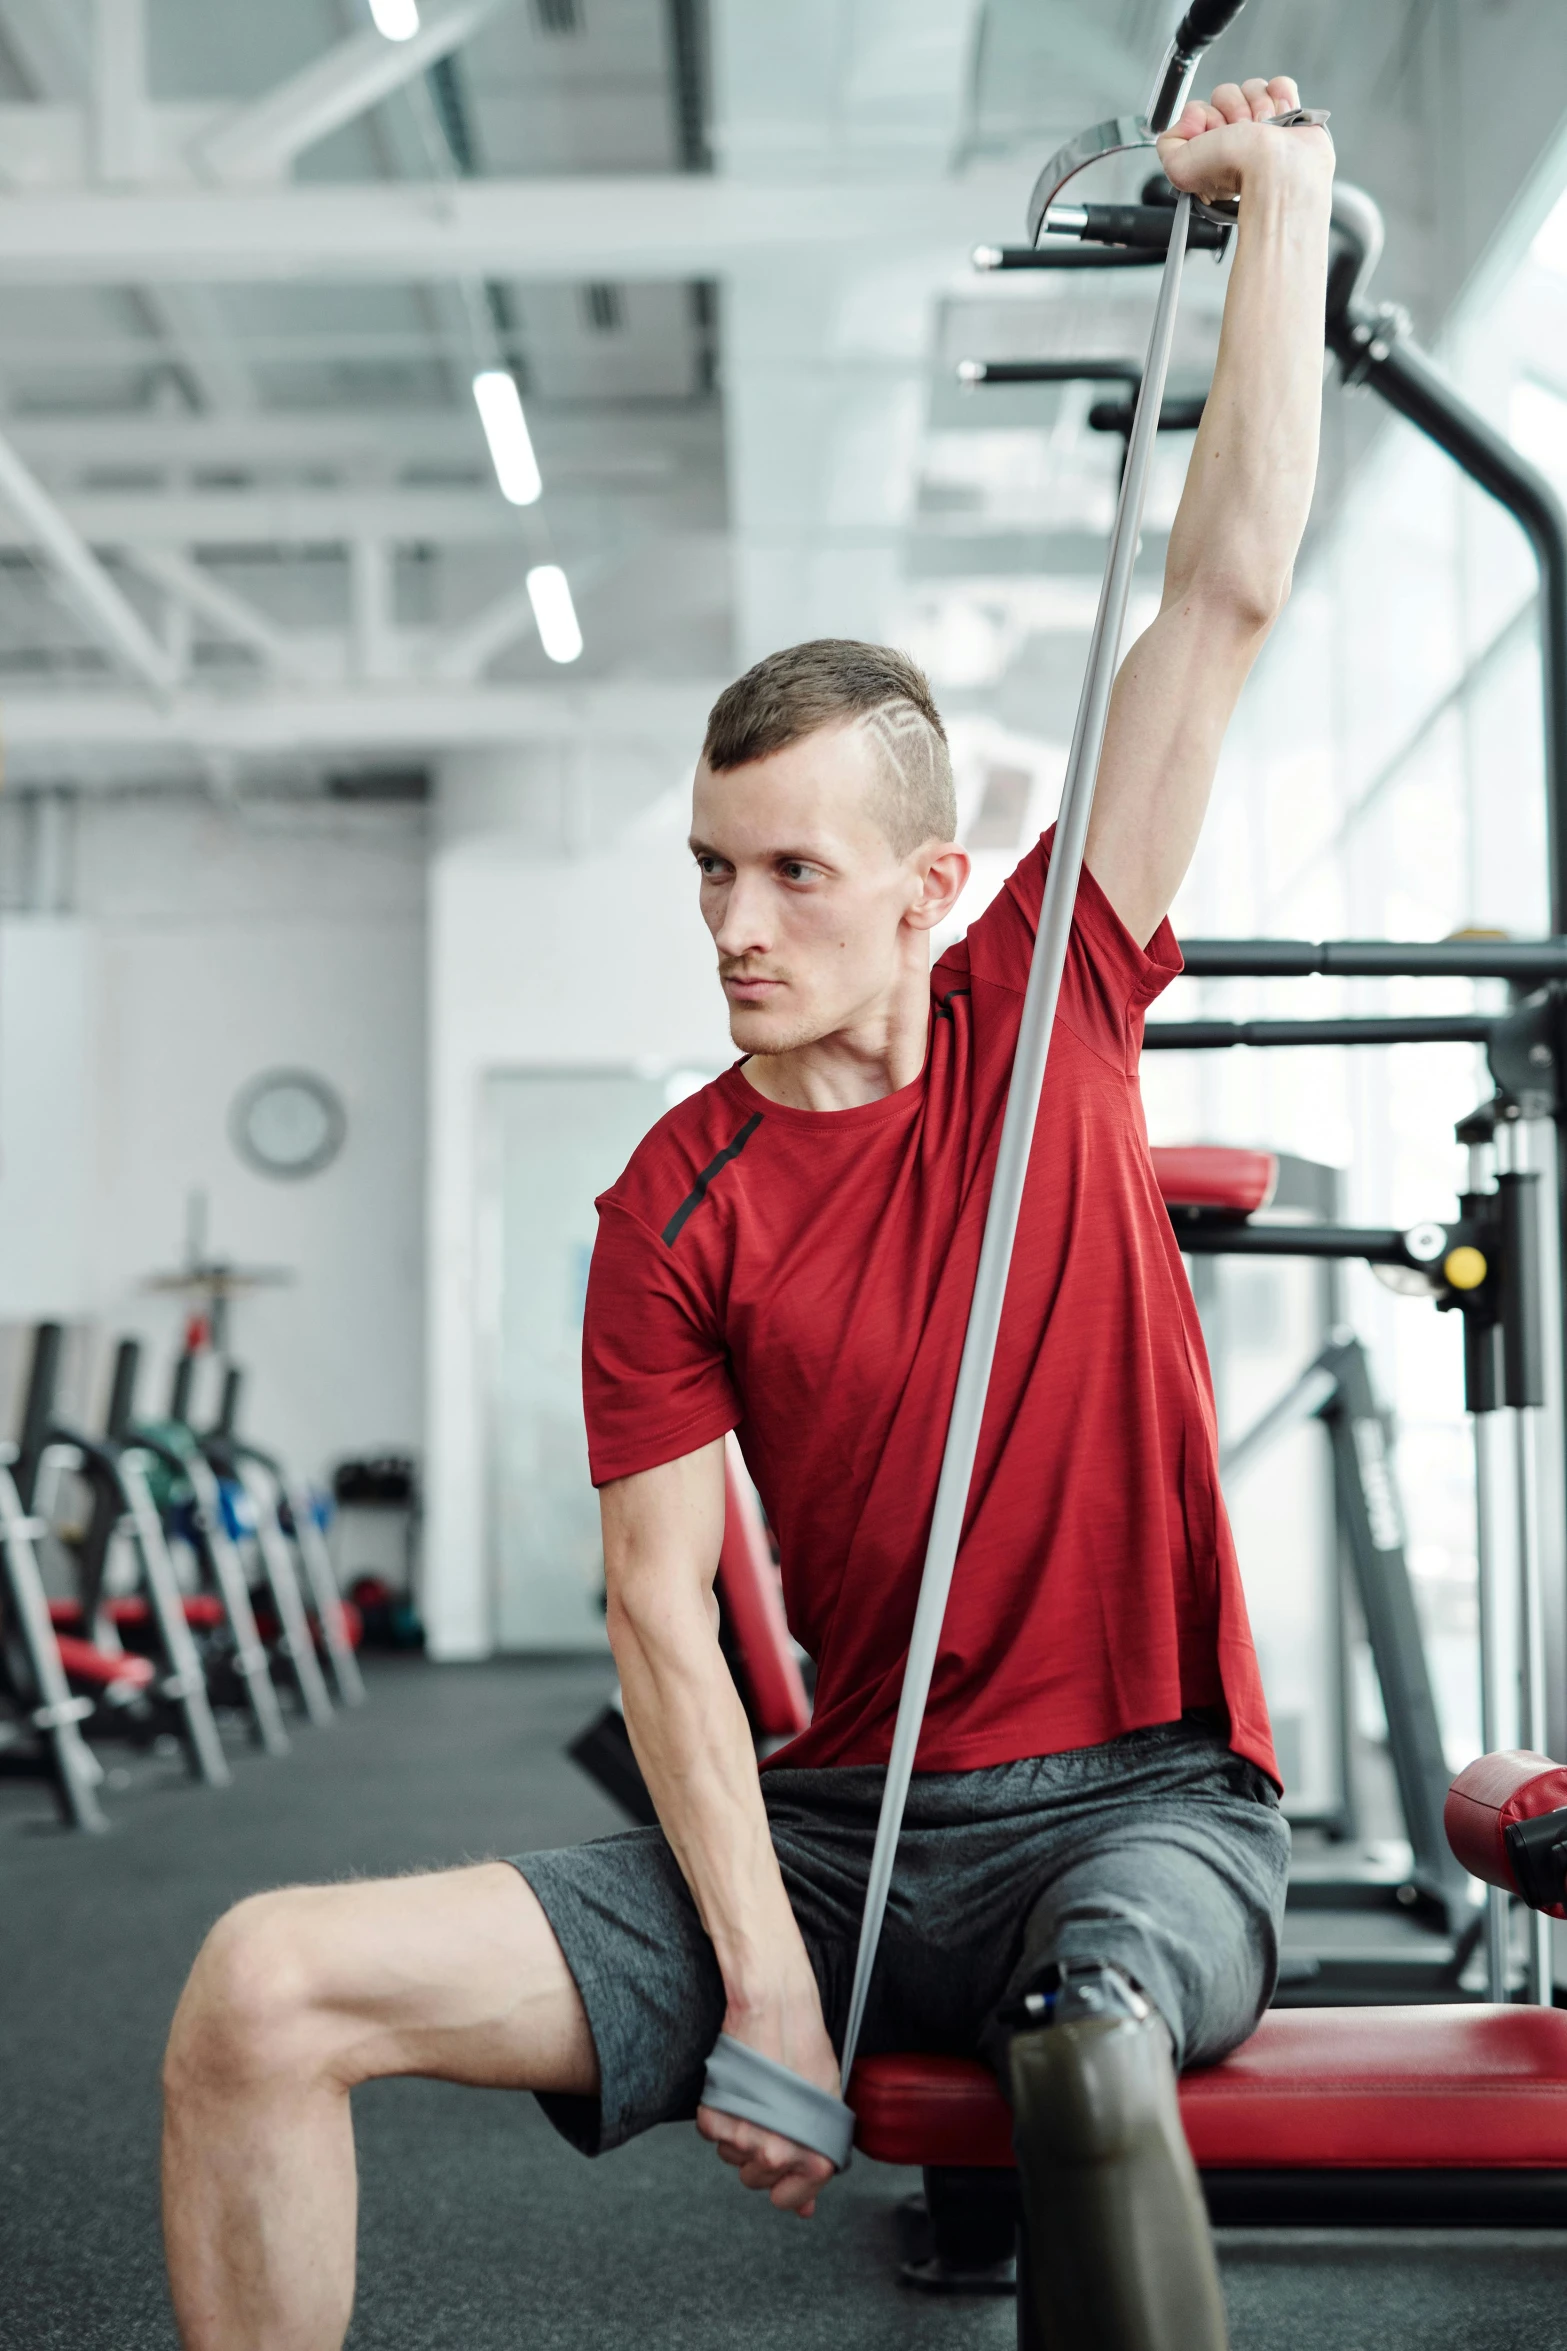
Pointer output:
x,y
1248,488
693,1742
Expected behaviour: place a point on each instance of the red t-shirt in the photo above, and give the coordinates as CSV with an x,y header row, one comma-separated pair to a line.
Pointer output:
x,y
804,1277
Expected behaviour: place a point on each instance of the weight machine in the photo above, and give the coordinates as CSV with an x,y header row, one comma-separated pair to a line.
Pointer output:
x,y
1517,1144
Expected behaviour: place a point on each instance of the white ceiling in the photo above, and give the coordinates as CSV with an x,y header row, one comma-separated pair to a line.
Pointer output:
x,y
250,257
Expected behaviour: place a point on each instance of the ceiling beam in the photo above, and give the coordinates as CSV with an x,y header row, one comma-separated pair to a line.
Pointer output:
x,y
93,595
46,41
469,650
235,616
189,322
580,446
289,518
261,141
657,226
286,518
119,90
383,715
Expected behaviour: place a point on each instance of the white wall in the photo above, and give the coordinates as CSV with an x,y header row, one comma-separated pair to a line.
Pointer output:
x,y
537,960
210,944
47,1001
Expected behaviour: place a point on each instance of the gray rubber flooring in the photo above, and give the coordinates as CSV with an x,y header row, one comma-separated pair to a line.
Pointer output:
x,y
480,2231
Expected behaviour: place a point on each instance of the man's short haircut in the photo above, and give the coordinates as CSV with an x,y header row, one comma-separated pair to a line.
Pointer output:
x,y
835,682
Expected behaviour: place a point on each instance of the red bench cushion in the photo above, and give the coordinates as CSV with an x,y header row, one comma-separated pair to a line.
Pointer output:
x,y
1206,1175
94,1667
204,1610
1314,2088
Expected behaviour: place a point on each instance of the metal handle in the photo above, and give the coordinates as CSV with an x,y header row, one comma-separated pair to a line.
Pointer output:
x,y
1204,21
1202,24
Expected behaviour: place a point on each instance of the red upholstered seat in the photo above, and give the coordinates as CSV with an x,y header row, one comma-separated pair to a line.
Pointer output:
x,y
752,1599
204,1610
1206,1175
1314,2088
96,1669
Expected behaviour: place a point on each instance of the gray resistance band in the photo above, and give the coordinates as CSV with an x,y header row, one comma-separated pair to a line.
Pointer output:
x,y
739,2080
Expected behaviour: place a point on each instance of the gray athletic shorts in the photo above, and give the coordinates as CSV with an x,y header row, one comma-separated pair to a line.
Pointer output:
x,y
1162,1852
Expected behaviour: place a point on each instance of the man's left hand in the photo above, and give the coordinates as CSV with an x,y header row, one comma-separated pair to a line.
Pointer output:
x,y
1217,144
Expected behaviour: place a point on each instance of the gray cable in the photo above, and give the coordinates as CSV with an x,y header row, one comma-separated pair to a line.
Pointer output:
x,y
1017,1132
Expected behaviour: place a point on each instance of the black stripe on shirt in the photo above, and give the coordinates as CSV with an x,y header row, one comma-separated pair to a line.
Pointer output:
x,y
698,1191
944,1003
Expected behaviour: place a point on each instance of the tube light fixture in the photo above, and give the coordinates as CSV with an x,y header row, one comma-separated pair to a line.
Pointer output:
x,y
506,430
549,592
398,20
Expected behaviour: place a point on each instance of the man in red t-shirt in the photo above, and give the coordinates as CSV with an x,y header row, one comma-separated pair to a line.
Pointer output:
x,y
790,1255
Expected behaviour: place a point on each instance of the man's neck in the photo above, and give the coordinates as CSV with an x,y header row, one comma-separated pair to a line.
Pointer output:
x,y
865,1061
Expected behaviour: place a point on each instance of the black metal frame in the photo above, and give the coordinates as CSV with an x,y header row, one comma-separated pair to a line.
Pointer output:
x,y
36,1678
1375,349
224,1457
1371,1522
118,1499
221,1568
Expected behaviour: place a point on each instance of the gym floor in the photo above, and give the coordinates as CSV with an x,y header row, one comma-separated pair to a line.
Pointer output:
x,y
480,2231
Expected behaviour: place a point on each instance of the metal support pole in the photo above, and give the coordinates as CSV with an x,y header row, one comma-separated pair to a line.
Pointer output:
x,y
1538,1987
1525,1393
1492,1731
1480,1382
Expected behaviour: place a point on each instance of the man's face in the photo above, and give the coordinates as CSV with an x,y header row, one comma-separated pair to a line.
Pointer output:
x,y
813,915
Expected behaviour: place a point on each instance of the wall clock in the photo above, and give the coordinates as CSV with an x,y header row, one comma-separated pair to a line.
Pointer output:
x,y
288,1122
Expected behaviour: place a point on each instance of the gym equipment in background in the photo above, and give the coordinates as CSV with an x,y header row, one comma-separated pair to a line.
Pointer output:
x,y
1507,1820
286,1511
1375,349
212,1283
43,1736
120,1505
385,1485
191,1497
1492,1264
249,1516
755,1640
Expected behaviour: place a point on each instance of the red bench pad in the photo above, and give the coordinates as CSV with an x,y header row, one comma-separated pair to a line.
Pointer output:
x,y
204,1610
1314,2088
95,1667
1207,1175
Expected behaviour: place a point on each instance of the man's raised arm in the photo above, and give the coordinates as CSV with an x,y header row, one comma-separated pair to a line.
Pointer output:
x,y
1247,496
662,1533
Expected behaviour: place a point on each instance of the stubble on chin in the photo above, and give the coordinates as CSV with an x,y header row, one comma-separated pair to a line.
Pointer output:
x,y
756,1032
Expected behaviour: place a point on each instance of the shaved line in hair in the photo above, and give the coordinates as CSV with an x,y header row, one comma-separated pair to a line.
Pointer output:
x,y
915,801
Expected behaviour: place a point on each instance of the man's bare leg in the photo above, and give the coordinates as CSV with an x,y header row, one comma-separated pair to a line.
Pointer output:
x,y
295,1998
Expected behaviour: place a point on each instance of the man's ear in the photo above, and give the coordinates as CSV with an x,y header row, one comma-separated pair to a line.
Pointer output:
x,y
944,869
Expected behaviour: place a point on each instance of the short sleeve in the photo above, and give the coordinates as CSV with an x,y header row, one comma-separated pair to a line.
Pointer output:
x,y
655,1372
1109,980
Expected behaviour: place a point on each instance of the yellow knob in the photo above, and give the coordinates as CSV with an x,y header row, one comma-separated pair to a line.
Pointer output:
x,y
1465,1268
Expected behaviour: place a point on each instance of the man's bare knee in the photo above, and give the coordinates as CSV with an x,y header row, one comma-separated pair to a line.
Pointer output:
x,y
248,2015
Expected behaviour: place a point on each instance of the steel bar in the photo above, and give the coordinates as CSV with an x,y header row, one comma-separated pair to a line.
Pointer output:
x,y
1462,959
1492,1727
1204,1236
1206,1036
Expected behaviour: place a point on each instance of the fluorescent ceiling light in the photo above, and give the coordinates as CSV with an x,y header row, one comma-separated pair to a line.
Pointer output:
x,y
397,19
506,430
549,592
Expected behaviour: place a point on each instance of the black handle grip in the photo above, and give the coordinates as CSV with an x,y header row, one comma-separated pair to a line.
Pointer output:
x,y
228,1414
38,1411
122,1396
1203,22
